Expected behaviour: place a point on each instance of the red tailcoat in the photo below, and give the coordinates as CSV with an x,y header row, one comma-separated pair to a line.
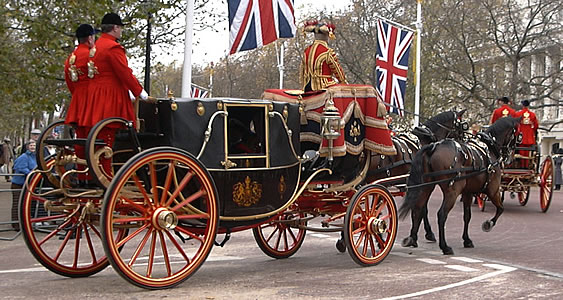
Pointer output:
x,y
78,61
318,67
528,126
501,112
108,91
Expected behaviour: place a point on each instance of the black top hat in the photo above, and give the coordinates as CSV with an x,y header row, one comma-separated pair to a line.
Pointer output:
x,y
113,19
525,103
85,30
504,99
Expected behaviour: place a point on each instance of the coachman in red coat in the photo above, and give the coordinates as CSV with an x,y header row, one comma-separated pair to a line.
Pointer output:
x,y
529,129
320,66
77,81
504,111
108,91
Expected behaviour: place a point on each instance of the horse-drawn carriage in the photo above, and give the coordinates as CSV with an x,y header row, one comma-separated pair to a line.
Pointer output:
x,y
524,173
189,169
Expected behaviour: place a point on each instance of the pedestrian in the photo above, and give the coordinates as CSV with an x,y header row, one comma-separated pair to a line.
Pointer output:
x,y
320,66
529,129
77,80
503,111
6,157
111,82
23,165
558,160
34,135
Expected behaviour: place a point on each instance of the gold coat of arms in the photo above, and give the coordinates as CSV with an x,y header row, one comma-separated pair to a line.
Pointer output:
x,y
247,193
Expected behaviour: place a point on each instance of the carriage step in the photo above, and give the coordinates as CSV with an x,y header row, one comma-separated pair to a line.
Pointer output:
x,y
72,142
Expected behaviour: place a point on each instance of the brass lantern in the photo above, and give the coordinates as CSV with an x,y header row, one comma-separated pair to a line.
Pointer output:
x,y
330,126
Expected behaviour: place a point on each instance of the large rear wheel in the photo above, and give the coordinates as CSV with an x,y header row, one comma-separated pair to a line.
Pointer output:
x,y
546,183
280,238
62,233
168,201
370,225
524,195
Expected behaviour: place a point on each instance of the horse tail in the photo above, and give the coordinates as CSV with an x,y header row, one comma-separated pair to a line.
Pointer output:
x,y
415,178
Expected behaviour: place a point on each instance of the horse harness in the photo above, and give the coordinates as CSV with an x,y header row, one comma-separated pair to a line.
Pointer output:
x,y
402,143
474,149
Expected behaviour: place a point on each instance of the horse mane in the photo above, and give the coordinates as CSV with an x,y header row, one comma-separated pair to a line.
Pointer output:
x,y
441,118
501,126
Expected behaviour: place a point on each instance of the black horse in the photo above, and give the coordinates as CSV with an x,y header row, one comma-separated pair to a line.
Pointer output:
x,y
459,168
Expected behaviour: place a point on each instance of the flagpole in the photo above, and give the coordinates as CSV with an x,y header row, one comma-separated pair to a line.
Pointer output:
x,y
187,68
417,66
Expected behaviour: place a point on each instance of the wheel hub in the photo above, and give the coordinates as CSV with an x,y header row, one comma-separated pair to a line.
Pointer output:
x,y
376,226
164,219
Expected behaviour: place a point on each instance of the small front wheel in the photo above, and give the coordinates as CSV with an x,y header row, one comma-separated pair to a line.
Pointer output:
x,y
370,225
277,238
524,195
546,183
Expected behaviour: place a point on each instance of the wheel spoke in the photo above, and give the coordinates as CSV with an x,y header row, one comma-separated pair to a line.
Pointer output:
x,y
47,218
142,189
178,247
131,202
130,236
180,188
151,254
276,229
165,253
285,239
140,247
54,232
89,243
372,246
77,233
168,181
188,200
124,219
154,189
188,217
360,239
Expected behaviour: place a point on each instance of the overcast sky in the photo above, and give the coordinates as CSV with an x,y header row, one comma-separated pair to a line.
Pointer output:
x,y
211,46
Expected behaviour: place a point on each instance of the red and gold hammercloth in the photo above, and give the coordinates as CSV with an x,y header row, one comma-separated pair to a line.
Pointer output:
x,y
362,115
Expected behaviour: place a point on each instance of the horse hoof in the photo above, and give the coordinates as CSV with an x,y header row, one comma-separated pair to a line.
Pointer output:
x,y
448,251
409,242
430,237
340,246
487,226
468,244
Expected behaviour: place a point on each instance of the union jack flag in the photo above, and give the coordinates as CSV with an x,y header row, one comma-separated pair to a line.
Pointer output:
x,y
199,92
255,23
392,64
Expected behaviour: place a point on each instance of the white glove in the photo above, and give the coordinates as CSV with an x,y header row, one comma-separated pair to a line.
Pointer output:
x,y
144,95
131,96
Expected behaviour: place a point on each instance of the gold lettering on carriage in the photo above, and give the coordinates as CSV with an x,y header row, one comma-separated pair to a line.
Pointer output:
x,y
282,187
247,193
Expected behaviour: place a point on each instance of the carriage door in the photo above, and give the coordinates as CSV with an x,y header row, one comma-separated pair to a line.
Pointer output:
x,y
246,136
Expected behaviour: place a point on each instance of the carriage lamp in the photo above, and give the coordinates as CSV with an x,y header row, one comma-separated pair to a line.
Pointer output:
x,y
330,126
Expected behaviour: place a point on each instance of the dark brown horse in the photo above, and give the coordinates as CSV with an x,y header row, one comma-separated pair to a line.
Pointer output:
x,y
459,168
444,125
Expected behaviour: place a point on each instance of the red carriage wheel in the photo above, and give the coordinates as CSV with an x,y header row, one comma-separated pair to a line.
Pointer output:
x,y
168,201
524,195
278,239
481,198
370,225
62,233
546,183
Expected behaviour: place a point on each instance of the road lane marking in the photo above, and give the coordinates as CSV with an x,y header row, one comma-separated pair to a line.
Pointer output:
x,y
467,259
501,270
431,261
402,254
320,235
461,268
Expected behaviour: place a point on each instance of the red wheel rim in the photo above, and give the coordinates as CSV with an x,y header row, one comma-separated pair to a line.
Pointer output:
x,y
67,242
153,255
546,184
523,196
278,239
370,225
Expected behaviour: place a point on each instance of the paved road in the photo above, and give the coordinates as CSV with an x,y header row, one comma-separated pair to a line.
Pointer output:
x,y
520,258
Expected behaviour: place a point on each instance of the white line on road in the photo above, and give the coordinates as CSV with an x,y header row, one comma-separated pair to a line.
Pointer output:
x,y
431,261
501,270
461,268
467,259
402,254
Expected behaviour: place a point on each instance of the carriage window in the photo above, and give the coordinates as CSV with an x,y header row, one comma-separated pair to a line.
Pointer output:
x,y
246,135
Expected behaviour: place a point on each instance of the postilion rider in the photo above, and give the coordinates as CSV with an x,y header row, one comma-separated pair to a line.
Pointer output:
x,y
529,129
320,66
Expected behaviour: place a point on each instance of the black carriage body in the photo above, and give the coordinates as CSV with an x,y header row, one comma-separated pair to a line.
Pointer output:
x,y
250,155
